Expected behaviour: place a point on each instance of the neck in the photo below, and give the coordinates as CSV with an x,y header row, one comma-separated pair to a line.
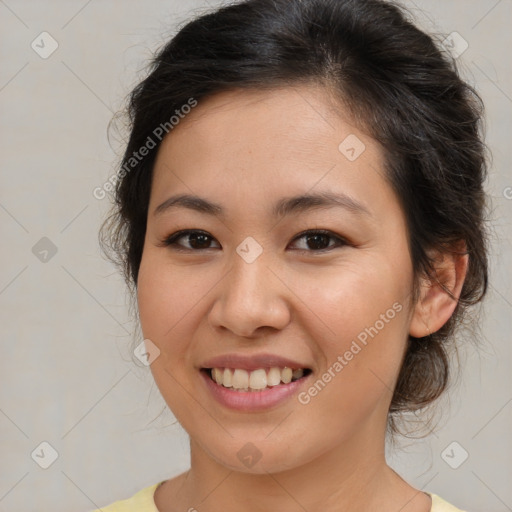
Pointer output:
x,y
323,484
353,476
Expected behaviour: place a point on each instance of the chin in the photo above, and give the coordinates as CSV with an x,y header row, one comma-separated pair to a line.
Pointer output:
x,y
258,456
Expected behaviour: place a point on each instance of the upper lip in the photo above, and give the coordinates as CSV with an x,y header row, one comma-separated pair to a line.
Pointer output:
x,y
253,362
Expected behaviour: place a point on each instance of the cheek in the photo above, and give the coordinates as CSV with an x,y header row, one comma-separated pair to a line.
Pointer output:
x,y
348,300
165,294
169,300
153,295
360,324
172,302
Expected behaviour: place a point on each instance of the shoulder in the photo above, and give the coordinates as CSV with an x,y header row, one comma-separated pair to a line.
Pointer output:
x,y
142,501
440,505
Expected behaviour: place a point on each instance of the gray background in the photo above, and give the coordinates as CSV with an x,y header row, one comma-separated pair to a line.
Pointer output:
x,y
67,372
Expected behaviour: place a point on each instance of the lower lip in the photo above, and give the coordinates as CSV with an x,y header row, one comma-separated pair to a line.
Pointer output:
x,y
252,400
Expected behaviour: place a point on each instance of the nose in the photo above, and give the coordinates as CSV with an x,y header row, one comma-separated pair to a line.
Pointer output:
x,y
251,299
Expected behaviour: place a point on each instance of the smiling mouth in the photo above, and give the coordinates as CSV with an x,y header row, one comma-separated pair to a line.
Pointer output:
x,y
238,379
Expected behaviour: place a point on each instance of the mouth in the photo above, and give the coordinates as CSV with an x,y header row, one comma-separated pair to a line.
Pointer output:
x,y
254,381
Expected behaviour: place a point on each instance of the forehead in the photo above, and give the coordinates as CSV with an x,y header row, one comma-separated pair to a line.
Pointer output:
x,y
292,120
268,143
298,117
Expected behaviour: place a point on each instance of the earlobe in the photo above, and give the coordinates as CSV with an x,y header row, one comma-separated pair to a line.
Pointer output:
x,y
435,306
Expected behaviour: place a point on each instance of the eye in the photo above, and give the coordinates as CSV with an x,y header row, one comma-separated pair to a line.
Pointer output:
x,y
315,240
318,240
197,240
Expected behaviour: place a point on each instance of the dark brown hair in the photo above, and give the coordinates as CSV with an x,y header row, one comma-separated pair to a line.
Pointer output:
x,y
401,87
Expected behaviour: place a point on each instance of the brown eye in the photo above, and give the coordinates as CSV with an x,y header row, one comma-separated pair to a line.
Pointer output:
x,y
197,240
317,241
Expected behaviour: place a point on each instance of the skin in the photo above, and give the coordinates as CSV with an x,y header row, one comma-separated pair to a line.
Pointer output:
x,y
245,151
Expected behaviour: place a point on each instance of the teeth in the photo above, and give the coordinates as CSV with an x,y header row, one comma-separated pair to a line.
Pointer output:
x,y
258,379
286,375
297,374
240,379
217,377
227,378
243,380
274,377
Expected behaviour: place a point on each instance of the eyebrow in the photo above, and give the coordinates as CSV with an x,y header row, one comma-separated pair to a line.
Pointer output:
x,y
284,207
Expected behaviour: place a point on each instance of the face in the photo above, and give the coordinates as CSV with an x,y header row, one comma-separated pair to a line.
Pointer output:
x,y
246,279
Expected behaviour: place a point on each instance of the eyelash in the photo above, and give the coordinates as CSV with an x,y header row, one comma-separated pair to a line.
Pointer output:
x,y
171,241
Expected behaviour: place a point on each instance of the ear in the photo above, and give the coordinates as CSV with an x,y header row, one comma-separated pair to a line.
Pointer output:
x,y
435,306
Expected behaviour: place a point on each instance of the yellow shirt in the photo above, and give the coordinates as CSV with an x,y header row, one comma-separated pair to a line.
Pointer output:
x,y
143,502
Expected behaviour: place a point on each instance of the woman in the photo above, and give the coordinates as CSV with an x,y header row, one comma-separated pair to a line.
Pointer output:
x,y
300,215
